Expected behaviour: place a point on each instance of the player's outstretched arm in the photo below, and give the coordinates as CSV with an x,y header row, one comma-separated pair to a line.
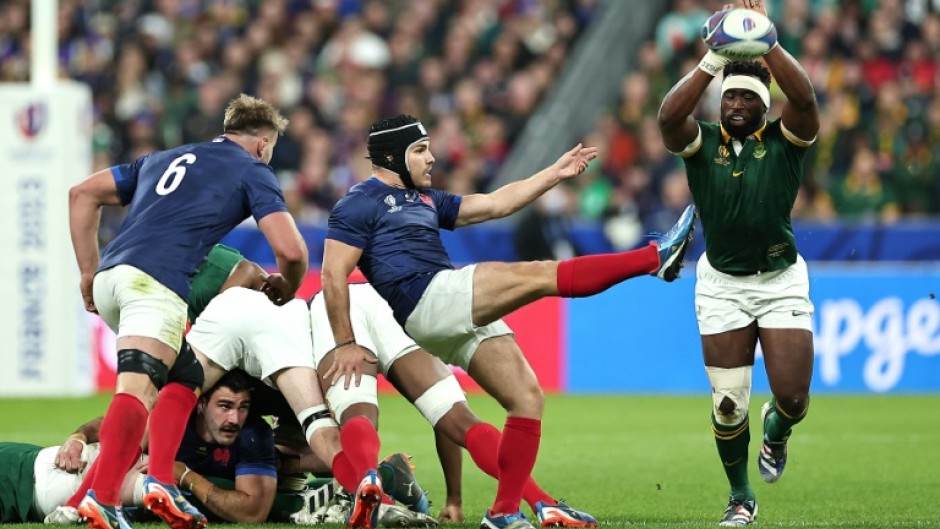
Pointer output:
x,y
289,247
450,455
85,201
800,114
249,502
512,197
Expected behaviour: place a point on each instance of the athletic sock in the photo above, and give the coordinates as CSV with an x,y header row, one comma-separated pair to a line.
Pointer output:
x,y
518,449
168,421
732,443
360,443
121,432
344,472
88,480
777,426
481,441
590,274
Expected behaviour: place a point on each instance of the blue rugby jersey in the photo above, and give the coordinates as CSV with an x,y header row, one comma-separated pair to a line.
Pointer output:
x,y
398,231
252,452
182,202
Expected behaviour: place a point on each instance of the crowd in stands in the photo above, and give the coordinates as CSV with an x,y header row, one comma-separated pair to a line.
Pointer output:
x,y
162,72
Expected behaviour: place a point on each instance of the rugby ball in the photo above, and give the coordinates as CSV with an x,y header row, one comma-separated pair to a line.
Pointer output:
x,y
739,34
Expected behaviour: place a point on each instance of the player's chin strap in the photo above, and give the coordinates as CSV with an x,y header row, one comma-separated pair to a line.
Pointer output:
x,y
747,82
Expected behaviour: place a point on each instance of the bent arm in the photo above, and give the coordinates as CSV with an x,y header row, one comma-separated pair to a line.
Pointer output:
x,y
246,274
69,456
289,247
800,114
676,123
250,502
85,201
339,260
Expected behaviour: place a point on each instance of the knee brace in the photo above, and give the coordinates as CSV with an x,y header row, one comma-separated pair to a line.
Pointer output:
x,y
187,370
314,418
439,399
137,361
733,384
340,399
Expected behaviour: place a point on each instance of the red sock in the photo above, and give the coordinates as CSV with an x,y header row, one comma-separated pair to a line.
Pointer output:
x,y
481,442
83,488
121,431
168,421
590,274
360,443
518,448
344,473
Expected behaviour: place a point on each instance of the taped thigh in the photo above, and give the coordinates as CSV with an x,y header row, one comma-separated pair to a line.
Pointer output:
x,y
735,385
340,399
440,398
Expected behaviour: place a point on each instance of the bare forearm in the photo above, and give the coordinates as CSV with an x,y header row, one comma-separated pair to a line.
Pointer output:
x,y
230,505
293,270
450,455
681,100
88,432
84,218
514,196
336,297
791,78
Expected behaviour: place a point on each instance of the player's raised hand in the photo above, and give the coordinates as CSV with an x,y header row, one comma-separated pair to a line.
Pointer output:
x,y
87,298
277,288
69,456
755,5
347,364
575,161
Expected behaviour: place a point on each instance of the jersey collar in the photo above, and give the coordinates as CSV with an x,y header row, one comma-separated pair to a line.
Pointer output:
x,y
759,133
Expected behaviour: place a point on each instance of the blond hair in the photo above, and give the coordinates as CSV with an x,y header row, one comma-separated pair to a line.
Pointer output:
x,y
249,114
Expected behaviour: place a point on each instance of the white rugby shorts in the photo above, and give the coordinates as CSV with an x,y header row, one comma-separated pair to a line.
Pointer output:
x,y
373,324
442,322
242,328
776,300
133,303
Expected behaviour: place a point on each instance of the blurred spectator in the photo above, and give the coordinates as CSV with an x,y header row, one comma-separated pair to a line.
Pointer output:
x,y
861,195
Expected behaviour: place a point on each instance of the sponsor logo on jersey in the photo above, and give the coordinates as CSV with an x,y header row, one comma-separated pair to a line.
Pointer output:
x,y
391,203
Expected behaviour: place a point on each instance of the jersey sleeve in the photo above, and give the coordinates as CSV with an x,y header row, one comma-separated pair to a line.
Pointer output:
x,y
258,455
708,134
125,177
351,220
448,207
263,192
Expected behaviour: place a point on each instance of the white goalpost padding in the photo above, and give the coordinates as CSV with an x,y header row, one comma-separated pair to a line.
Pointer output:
x,y
46,128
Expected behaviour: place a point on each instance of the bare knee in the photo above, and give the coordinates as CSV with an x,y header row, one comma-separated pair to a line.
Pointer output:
x,y
526,401
793,406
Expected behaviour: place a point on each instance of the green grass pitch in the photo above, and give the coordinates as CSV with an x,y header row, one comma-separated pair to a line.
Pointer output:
x,y
650,461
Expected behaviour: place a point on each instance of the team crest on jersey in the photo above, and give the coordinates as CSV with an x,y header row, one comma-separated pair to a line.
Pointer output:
x,y
221,456
392,204
426,199
760,151
723,154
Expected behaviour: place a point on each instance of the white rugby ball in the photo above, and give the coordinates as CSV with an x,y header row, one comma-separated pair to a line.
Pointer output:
x,y
739,34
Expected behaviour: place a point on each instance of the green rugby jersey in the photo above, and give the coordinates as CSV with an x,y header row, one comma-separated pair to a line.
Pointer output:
x,y
745,200
16,482
210,277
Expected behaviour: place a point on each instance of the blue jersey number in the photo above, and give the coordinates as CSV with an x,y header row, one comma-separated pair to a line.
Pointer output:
x,y
174,174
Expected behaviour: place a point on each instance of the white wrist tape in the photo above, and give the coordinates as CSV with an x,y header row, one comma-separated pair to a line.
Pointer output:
x,y
712,63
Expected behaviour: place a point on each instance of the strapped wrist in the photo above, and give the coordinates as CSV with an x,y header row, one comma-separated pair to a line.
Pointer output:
x,y
712,63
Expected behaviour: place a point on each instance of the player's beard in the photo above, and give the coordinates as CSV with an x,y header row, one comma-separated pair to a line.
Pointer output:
x,y
742,131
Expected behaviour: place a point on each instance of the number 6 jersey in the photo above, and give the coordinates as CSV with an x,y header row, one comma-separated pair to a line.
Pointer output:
x,y
182,202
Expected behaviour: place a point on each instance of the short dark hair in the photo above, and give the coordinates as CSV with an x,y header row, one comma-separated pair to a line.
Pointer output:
x,y
752,68
235,380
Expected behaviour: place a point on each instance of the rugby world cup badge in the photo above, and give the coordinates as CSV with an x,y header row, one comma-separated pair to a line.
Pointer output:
x,y
723,154
32,120
392,204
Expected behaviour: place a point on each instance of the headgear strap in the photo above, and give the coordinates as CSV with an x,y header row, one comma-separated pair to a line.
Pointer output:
x,y
746,82
389,148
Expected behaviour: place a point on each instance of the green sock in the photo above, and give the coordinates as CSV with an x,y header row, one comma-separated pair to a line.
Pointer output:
x,y
732,443
777,426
